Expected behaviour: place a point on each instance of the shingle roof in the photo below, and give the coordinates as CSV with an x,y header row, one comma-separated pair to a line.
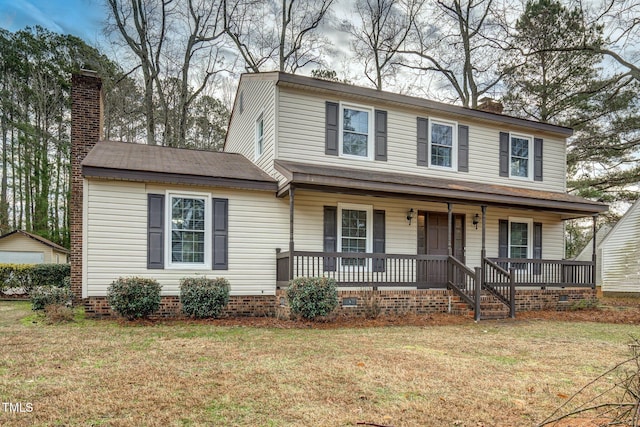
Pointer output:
x,y
406,185
39,239
140,162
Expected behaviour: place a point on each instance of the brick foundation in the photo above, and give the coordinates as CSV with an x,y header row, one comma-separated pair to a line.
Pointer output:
x,y
553,299
240,306
368,302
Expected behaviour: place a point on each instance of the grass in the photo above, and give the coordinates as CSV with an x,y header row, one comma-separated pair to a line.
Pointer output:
x,y
102,373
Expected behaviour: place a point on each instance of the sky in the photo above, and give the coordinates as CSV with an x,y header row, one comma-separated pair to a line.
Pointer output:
x,y
82,18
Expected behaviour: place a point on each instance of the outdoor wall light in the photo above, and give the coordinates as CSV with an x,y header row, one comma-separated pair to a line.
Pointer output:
x,y
476,220
410,215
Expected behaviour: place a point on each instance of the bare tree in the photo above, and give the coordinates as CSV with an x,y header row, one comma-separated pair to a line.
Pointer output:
x,y
383,28
177,45
276,34
461,40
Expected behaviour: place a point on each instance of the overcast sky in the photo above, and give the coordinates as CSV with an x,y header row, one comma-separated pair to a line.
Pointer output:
x,y
82,18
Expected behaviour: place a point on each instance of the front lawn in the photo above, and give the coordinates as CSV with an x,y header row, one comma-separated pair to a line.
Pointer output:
x,y
91,373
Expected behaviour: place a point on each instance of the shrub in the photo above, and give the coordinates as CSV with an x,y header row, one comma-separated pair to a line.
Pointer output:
x,y
29,276
56,313
43,296
50,274
202,297
311,297
134,297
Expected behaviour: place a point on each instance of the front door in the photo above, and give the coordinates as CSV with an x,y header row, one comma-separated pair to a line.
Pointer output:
x,y
433,239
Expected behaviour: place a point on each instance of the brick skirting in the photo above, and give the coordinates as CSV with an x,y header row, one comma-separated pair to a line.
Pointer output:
x,y
368,302
240,306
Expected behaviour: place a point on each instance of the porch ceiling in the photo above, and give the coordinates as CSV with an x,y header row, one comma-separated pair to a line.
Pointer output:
x,y
416,187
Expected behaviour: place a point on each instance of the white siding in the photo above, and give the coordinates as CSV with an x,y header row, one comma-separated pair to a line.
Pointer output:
x,y
304,114
258,98
117,237
20,247
401,238
621,254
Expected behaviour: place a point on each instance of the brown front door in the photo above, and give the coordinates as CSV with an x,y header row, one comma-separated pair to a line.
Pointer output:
x,y
433,239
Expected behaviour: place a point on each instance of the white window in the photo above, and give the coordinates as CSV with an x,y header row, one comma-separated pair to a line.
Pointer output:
x,y
355,231
356,131
259,136
520,159
189,237
443,144
520,238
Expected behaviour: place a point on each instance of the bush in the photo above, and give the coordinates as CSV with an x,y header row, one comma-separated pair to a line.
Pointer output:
x,y
29,276
50,274
311,297
56,313
43,296
202,297
134,297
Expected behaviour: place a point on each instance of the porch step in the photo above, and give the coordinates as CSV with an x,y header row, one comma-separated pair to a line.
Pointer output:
x,y
491,308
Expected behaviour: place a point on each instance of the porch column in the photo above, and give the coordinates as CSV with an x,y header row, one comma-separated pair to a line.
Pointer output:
x,y
450,229
291,245
594,251
483,250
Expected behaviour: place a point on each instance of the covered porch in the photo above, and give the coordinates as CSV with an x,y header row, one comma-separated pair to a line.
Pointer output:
x,y
447,267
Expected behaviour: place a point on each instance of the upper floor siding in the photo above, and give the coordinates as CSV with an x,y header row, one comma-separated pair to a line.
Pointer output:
x,y
253,123
302,132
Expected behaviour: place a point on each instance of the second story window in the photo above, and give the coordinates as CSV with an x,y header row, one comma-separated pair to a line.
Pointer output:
x,y
442,144
520,156
356,131
259,136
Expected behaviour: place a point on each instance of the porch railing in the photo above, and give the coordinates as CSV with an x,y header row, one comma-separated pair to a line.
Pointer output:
x,y
432,271
546,273
365,269
501,283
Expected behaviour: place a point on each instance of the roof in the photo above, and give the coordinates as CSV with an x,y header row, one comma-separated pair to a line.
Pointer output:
x,y
332,87
632,212
39,239
353,181
151,163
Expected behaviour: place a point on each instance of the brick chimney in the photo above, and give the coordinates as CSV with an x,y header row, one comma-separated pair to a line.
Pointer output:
x,y
490,105
86,130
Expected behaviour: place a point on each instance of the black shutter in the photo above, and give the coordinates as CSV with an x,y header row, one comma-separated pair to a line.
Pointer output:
x,y
220,234
332,128
537,246
330,236
379,264
155,231
537,159
463,148
423,141
503,238
504,154
381,135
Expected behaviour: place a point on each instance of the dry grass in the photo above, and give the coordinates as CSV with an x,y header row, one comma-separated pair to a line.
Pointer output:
x,y
93,373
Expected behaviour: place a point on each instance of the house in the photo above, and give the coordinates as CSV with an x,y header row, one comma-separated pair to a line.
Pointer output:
x,y
618,256
21,247
425,204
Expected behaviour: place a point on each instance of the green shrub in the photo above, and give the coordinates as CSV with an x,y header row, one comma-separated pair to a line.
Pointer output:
x,y
50,274
30,276
202,297
311,297
134,297
42,296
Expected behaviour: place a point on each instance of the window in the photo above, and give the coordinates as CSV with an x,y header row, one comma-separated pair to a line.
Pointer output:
x,y
520,156
442,144
259,136
189,224
356,136
519,238
354,231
